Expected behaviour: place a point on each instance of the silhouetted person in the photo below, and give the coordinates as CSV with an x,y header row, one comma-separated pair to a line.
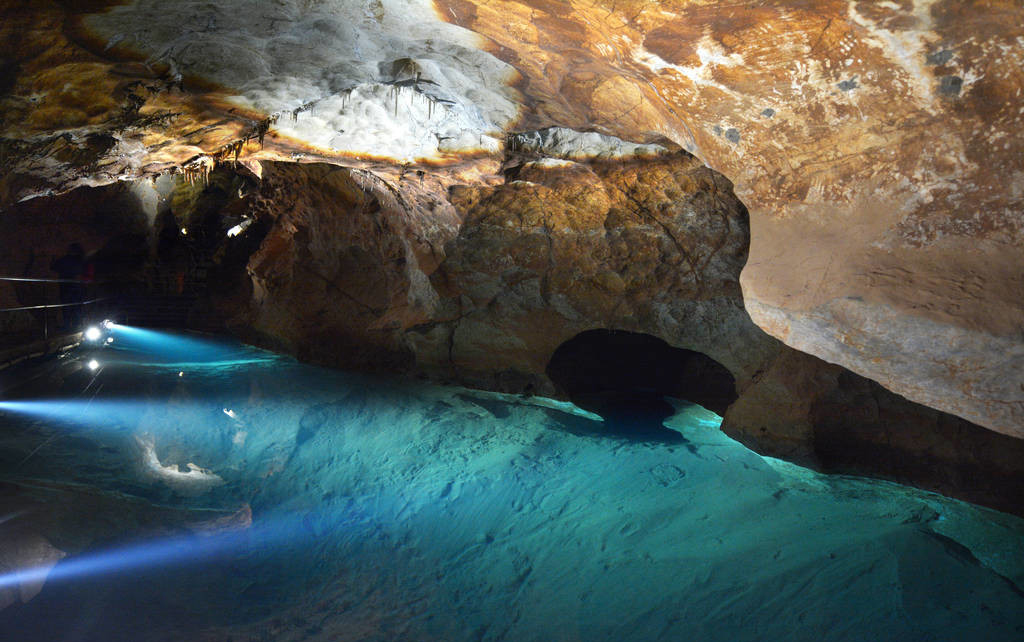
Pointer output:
x,y
71,268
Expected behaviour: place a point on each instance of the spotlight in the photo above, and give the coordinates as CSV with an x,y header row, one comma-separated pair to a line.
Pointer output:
x,y
181,373
93,364
110,339
107,324
230,413
184,231
92,333
241,227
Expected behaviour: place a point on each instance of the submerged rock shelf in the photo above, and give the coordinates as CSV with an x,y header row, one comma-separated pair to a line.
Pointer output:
x,y
234,494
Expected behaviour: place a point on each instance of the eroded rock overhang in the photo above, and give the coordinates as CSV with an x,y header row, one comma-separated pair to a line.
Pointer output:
x,y
874,143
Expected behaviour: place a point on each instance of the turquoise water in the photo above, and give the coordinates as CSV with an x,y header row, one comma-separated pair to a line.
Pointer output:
x,y
191,490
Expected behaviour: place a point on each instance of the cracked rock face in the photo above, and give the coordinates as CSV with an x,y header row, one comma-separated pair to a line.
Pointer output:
x,y
650,246
343,269
486,282
481,284
346,275
874,144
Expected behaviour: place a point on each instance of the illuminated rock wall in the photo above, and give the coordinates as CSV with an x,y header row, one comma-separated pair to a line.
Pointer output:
x,y
874,144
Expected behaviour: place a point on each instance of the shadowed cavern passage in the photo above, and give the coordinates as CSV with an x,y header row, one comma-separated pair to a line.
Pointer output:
x,y
625,376
769,249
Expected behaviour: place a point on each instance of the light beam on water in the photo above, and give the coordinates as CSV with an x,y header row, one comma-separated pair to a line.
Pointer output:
x,y
175,349
91,413
178,551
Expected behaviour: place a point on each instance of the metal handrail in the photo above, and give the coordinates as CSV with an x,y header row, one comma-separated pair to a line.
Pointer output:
x,y
48,306
31,280
54,305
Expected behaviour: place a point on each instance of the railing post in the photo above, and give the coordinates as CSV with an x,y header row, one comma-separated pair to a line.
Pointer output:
x,y
80,307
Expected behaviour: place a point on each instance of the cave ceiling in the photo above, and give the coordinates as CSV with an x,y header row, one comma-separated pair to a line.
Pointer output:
x,y
876,144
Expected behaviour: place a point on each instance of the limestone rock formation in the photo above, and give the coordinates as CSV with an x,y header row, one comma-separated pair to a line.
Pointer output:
x,y
646,245
343,268
806,410
453,221
873,143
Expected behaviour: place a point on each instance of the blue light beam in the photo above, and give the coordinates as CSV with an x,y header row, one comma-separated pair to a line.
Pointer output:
x,y
86,413
172,347
180,550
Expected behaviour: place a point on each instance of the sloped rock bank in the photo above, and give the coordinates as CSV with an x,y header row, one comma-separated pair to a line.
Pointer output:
x,y
480,277
486,288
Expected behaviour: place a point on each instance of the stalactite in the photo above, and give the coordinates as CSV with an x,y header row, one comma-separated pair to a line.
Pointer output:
x,y
261,128
198,170
232,150
306,106
513,142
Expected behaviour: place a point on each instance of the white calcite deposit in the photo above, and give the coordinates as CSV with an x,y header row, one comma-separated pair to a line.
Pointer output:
x,y
386,78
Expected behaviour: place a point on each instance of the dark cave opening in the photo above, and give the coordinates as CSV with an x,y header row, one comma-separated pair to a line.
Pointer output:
x,y
166,253
625,377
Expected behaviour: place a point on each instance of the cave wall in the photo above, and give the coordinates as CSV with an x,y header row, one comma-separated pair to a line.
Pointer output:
x,y
874,143
821,415
350,273
480,284
650,246
113,225
343,268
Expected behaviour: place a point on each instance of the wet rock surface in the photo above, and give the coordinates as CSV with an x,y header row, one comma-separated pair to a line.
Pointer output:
x,y
560,248
375,508
651,246
465,229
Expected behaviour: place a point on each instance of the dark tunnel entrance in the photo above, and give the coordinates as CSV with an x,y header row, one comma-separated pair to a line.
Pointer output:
x,y
625,377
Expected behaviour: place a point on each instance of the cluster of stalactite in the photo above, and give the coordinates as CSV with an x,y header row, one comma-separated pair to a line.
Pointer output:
x,y
197,171
514,142
198,168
